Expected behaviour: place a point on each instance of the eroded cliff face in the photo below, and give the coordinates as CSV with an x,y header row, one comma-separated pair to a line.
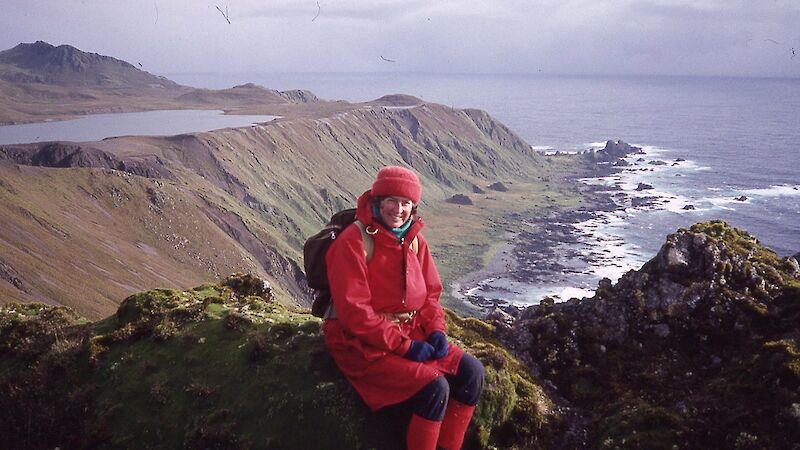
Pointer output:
x,y
697,349
176,211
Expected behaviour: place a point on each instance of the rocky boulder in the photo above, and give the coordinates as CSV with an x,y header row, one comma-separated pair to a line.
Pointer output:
x,y
460,199
700,348
498,186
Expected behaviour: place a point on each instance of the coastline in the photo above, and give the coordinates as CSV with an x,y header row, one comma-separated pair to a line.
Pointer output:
x,y
520,258
545,249
500,261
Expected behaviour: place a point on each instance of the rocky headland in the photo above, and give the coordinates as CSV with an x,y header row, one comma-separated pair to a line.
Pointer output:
x,y
697,349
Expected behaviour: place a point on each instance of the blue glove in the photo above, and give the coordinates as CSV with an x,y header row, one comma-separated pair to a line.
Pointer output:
x,y
419,351
439,342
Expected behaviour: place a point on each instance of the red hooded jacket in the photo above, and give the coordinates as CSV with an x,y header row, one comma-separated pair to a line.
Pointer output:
x,y
367,347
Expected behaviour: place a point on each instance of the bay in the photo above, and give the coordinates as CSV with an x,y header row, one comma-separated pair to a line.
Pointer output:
x,y
96,127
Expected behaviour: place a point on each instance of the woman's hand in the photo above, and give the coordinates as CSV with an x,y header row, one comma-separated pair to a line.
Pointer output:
x,y
420,351
439,342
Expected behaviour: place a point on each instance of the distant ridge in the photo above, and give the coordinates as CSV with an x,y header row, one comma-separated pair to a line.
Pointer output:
x,y
41,62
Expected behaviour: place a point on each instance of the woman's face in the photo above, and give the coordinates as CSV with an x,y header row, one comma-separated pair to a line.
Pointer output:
x,y
395,211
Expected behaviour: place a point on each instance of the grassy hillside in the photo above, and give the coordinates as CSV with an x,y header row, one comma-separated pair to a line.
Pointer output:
x,y
221,366
94,222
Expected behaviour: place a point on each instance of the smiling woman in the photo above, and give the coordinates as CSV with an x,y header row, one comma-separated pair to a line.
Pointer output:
x,y
395,211
386,330
149,123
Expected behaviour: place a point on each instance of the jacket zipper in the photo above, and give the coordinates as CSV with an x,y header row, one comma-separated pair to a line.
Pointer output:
x,y
405,270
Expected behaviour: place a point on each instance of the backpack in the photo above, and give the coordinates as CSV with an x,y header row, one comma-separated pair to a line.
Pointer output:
x,y
317,246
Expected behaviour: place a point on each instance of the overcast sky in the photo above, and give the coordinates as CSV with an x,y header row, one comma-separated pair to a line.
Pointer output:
x,y
697,37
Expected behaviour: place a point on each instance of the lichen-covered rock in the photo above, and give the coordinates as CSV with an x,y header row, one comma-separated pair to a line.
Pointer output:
x,y
697,347
224,366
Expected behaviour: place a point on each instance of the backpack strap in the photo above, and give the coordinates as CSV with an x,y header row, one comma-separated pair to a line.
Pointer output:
x,y
369,250
369,244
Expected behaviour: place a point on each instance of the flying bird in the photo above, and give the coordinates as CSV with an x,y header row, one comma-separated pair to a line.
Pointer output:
x,y
224,14
319,9
791,49
387,59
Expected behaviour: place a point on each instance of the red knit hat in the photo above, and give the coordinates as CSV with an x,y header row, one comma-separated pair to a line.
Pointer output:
x,y
399,181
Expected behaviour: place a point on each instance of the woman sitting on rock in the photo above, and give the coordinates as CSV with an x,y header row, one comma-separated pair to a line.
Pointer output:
x,y
387,330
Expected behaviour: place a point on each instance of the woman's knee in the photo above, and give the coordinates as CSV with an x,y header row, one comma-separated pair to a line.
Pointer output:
x,y
467,385
431,401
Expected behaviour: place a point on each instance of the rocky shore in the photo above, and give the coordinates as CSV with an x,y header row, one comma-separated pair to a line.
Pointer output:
x,y
549,248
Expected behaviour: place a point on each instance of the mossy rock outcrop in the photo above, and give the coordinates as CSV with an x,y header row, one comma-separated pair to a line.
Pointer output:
x,y
222,366
697,349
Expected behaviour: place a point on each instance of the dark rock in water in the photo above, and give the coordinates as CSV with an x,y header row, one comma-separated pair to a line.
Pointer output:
x,y
688,207
477,189
460,199
620,149
643,187
710,327
639,202
640,160
679,160
614,151
741,198
498,186
621,163
657,163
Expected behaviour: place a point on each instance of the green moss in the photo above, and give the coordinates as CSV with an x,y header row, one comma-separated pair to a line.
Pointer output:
x,y
637,424
213,368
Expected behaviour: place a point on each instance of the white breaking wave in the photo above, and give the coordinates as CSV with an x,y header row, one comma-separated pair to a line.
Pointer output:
x,y
781,190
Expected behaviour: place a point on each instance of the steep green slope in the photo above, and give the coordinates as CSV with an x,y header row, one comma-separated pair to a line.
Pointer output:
x,y
245,199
